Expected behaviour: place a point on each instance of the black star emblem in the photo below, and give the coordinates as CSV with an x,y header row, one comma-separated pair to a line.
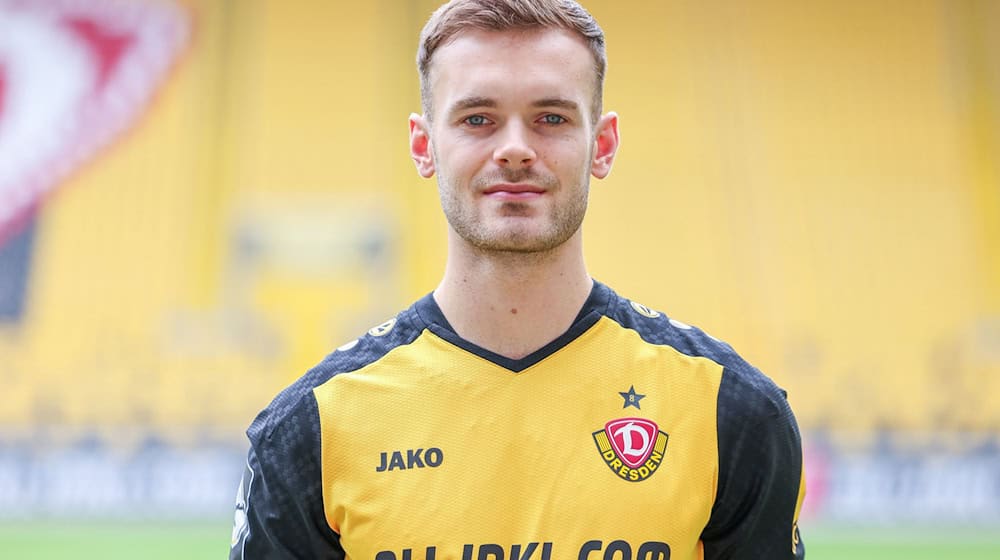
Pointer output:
x,y
631,398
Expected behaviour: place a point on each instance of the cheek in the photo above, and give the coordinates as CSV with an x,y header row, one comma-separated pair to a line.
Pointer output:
x,y
459,156
569,158
571,150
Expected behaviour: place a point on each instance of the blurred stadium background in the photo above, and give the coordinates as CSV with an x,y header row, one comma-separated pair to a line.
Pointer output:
x,y
200,199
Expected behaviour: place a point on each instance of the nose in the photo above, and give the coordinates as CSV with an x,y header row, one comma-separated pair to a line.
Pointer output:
x,y
514,149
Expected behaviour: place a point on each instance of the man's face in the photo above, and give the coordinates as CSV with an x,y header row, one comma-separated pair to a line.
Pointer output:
x,y
511,139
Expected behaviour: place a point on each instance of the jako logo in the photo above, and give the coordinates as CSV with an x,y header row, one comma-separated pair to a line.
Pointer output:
x,y
415,459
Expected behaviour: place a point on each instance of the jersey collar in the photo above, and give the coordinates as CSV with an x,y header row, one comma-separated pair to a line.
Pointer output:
x,y
430,314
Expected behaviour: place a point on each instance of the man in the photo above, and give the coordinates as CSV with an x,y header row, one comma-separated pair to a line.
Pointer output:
x,y
522,410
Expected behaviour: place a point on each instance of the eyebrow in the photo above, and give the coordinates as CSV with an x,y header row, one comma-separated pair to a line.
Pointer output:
x,y
557,102
472,103
476,101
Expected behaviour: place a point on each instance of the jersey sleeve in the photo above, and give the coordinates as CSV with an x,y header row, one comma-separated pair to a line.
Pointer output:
x,y
279,509
761,483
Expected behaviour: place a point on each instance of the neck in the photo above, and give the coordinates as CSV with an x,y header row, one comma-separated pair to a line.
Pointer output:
x,y
513,303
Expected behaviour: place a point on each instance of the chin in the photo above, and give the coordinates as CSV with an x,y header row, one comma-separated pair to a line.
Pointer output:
x,y
520,242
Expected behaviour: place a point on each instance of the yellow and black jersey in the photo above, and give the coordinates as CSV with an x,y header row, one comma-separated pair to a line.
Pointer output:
x,y
631,437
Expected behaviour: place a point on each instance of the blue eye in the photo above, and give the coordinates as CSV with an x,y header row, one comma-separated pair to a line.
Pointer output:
x,y
476,120
553,119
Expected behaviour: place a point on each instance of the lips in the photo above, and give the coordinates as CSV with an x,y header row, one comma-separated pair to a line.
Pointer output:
x,y
514,189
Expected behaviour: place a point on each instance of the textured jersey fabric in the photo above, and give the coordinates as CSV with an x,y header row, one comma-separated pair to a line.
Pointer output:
x,y
631,436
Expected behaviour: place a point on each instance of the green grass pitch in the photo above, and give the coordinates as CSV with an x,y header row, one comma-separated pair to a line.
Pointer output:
x,y
114,541
210,540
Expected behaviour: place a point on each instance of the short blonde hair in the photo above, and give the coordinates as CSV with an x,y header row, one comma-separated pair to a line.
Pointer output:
x,y
456,16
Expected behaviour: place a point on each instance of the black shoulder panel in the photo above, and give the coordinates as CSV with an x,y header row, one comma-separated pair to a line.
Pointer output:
x,y
376,343
760,450
280,513
283,504
760,473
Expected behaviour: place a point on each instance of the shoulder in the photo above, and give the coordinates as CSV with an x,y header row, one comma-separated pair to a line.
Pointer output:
x,y
297,400
745,393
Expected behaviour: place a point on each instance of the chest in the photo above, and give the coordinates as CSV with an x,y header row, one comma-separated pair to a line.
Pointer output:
x,y
611,455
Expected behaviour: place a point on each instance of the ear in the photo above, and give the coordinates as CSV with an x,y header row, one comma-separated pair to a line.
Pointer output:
x,y
606,145
420,145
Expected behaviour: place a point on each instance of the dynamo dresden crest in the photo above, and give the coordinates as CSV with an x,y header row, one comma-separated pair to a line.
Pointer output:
x,y
633,448
74,75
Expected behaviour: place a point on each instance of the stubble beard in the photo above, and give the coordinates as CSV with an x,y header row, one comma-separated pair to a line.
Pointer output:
x,y
507,233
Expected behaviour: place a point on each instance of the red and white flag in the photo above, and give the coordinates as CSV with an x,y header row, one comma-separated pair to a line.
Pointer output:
x,y
74,74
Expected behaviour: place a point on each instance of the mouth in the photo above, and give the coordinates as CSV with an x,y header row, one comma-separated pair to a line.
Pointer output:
x,y
515,191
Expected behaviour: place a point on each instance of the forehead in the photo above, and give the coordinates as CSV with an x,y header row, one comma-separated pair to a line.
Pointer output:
x,y
513,66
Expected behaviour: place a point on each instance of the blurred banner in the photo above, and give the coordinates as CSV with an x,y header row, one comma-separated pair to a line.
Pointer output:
x,y
157,483
199,199
865,487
